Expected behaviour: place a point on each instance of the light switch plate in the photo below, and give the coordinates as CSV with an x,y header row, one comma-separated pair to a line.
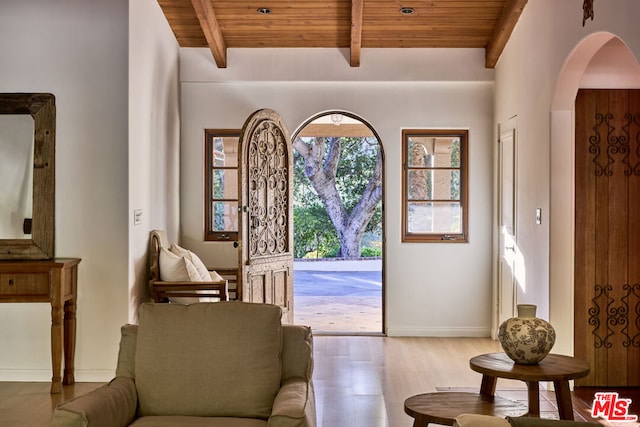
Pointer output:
x,y
137,217
538,216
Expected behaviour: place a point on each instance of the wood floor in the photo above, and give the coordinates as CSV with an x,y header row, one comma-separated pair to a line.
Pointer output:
x,y
359,381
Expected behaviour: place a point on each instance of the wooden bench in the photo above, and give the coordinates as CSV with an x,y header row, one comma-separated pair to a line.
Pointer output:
x,y
162,291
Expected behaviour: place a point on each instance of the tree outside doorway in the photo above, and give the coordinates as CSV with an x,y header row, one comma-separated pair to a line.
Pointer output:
x,y
338,187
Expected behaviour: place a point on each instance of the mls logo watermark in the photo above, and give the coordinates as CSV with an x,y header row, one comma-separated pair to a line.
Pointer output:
x,y
611,407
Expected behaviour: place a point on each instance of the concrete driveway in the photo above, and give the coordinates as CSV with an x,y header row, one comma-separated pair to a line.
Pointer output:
x,y
339,297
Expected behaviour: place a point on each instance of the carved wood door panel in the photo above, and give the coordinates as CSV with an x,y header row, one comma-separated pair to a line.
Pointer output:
x,y
607,236
266,200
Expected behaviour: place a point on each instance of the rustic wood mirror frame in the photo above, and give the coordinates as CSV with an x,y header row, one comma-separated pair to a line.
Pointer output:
x,y
41,107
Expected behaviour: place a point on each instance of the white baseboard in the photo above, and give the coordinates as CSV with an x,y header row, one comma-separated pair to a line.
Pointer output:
x,y
458,332
44,375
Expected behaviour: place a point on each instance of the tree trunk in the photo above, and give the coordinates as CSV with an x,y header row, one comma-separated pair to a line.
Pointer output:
x,y
321,172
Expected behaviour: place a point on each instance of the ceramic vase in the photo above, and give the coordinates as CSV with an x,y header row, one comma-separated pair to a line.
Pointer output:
x,y
526,339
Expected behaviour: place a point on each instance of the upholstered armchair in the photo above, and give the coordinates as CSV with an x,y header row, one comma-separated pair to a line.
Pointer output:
x,y
230,364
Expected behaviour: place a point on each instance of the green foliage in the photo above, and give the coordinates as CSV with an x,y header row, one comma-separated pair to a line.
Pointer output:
x,y
371,252
455,161
314,233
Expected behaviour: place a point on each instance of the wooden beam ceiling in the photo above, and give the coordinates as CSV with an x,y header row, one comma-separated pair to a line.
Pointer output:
x,y
353,24
507,22
356,31
211,29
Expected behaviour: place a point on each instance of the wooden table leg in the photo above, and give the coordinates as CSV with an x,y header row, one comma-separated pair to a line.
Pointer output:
x,y
488,385
69,340
420,422
533,394
56,345
563,398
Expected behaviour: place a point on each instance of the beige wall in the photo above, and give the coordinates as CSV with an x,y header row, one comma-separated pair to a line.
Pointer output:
x,y
154,138
526,79
117,149
117,137
76,50
428,293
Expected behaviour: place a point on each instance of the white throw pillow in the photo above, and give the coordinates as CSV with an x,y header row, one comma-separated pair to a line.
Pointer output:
x,y
215,277
195,260
174,268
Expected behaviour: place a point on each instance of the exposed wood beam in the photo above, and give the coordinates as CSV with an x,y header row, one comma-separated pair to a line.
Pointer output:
x,y
356,31
506,23
211,28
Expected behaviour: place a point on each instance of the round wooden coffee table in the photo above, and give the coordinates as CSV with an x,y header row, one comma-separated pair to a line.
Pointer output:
x,y
555,367
444,407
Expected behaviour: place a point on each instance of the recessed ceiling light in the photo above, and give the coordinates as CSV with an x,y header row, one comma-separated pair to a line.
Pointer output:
x,y
406,10
264,10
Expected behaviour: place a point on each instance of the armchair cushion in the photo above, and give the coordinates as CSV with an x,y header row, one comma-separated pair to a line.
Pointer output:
x,y
176,345
187,421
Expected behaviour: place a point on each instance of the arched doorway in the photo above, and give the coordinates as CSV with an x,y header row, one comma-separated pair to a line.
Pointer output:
x,y
601,60
338,223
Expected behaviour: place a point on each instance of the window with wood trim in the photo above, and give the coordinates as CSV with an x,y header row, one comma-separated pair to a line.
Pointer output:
x,y
221,184
434,185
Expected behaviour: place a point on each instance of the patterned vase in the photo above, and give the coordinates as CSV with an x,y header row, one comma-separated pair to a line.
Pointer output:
x,y
526,339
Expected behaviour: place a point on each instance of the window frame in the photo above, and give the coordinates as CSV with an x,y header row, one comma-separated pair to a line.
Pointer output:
x,y
436,237
211,235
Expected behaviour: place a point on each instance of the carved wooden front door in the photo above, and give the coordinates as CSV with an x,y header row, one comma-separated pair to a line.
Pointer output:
x,y
607,236
266,201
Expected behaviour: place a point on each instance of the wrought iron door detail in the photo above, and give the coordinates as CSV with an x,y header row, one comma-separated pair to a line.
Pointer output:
x,y
615,143
608,316
268,191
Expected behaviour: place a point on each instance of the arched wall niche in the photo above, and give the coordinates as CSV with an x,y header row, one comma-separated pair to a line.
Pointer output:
x,y
600,60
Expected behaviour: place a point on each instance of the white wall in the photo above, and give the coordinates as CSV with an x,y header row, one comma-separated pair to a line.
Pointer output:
x,y
154,138
432,289
76,50
117,147
526,78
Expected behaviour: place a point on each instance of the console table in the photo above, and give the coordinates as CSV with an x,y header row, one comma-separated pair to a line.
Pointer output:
x,y
53,281
555,367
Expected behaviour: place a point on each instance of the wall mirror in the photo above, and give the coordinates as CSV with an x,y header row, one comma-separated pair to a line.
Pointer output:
x,y
27,175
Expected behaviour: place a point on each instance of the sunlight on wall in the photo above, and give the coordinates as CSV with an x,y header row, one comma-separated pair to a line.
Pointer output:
x,y
515,259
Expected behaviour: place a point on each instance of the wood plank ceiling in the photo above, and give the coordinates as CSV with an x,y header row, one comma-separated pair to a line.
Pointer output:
x,y
354,24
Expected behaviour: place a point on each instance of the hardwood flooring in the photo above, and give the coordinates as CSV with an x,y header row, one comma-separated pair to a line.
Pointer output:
x,y
360,381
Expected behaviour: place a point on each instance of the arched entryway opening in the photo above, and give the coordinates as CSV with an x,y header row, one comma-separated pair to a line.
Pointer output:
x,y
600,61
338,224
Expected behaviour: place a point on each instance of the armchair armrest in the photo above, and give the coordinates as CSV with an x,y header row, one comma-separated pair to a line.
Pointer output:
x,y
112,405
294,405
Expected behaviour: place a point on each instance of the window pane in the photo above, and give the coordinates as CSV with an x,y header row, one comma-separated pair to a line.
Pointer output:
x,y
225,184
225,216
433,184
420,184
434,217
419,154
446,152
225,151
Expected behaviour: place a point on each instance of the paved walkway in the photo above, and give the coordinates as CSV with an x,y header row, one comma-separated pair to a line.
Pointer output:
x,y
339,297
